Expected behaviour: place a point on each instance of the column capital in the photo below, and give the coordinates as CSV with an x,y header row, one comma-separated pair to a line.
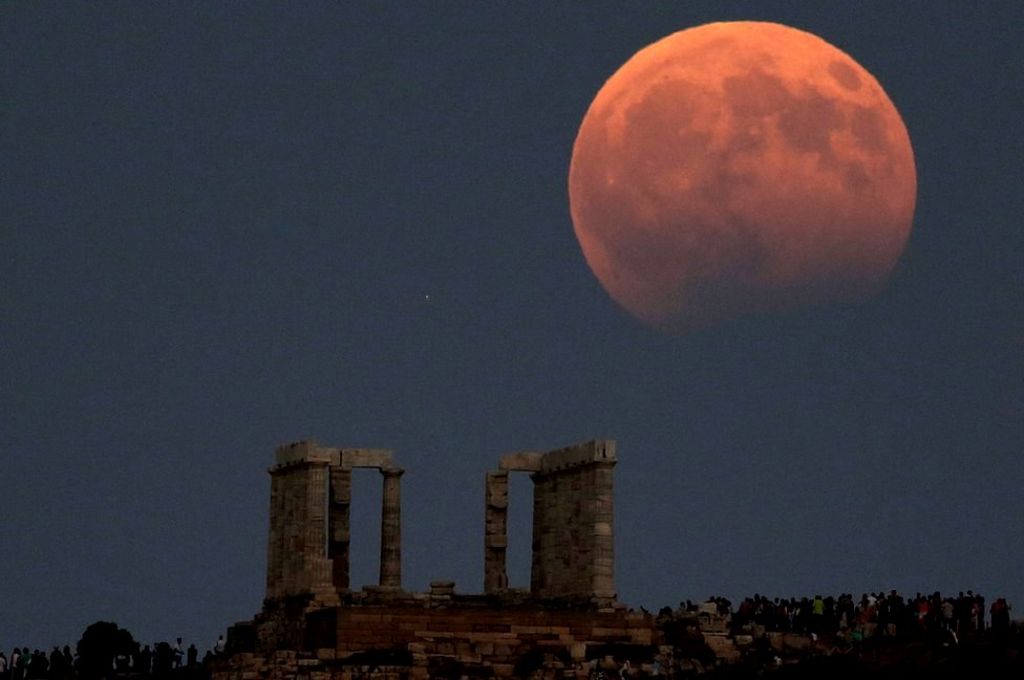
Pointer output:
x,y
392,472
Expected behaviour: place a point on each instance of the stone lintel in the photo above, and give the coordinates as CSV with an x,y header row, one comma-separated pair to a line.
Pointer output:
x,y
520,461
304,451
309,451
594,451
363,458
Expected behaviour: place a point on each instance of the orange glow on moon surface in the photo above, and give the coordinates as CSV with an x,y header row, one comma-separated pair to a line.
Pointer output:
x,y
737,169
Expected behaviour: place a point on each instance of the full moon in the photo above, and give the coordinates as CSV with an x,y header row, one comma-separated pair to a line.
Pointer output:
x,y
738,169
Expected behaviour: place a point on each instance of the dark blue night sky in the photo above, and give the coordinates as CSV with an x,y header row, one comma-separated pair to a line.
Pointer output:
x,y
218,227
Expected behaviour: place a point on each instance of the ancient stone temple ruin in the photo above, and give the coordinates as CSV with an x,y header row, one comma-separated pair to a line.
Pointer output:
x,y
310,495
569,624
573,550
313,624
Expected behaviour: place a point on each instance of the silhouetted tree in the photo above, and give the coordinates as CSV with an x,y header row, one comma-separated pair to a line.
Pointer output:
x,y
100,643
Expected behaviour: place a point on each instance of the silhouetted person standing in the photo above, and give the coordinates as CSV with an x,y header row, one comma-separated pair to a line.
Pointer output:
x,y
163,659
817,613
193,655
1000,616
179,654
145,661
56,663
38,666
68,662
16,664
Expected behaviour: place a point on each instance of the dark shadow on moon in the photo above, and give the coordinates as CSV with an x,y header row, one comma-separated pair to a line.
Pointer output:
x,y
844,74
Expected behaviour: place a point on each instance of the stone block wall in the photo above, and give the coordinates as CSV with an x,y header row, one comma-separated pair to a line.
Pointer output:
x,y
482,642
412,637
492,634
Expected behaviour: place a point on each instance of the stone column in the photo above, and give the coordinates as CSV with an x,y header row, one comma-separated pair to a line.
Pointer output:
x,y
275,542
603,575
573,543
540,554
391,530
496,532
290,553
339,526
317,567
293,515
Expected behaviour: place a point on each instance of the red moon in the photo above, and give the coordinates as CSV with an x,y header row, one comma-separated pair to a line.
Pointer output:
x,y
737,169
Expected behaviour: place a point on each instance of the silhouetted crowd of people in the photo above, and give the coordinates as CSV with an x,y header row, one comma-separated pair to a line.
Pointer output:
x,y
22,664
878,614
162,659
